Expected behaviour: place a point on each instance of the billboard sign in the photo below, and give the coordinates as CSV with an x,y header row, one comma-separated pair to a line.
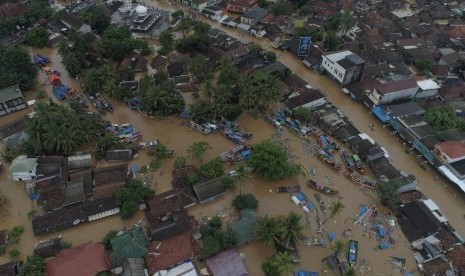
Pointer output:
x,y
304,46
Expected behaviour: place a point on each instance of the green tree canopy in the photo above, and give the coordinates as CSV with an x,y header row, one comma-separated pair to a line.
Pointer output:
x,y
388,194
166,40
16,68
443,118
37,37
131,196
163,99
259,90
270,160
33,266
269,229
293,229
106,241
245,201
279,264
198,149
98,17
331,42
116,43
211,169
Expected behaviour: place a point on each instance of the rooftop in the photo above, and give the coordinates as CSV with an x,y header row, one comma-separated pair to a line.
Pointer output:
x,y
226,263
22,164
111,174
244,227
168,202
348,55
255,13
129,244
416,222
10,93
85,259
170,252
174,224
303,97
403,109
453,149
428,84
209,190
396,86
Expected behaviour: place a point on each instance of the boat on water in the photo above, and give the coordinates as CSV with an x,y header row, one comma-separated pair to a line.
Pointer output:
x,y
329,159
352,254
327,144
200,128
100,102
320,202
212,127
358,163
225,124
233,136
135,103
236,155
130,138
348,161
321,188
277,119
303,201
361,179
286,189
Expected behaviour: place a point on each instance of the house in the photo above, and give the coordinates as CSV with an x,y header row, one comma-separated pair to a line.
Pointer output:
x,y
343,66
244,227
427,88
62,195
226,263
14,134
74,215
239,6
416,221
85,259
394,91
410,43
168,202
199,5
11,9
252,17
450,151
23,168
82,161
11,100
453,60
209,190
10,269
134,267
171,252
170,225
109,180
119,155
48,248
129,244
184,269
403,109
72,21
305,98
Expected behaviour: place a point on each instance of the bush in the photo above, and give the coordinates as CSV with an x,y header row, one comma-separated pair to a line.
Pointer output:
x,y
229,240
155,164
15,233
228,182
66,245
131,196
13,253
8,155
31,214
192,178
180,162
211,246
246,201
41,94
33,266
212,169
216,222
106,240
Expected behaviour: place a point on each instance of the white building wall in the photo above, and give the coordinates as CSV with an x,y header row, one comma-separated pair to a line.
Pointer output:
x,y
23,176
426,93
394,96
334,69
315,104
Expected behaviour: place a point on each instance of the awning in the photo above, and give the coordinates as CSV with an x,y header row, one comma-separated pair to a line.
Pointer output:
x,y
444,170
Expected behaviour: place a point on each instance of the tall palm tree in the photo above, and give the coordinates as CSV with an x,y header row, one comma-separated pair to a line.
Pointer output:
x,y
223,94
339,246
269,229
198,67
292,228
243,175
248,97
284,262
346,21
334,210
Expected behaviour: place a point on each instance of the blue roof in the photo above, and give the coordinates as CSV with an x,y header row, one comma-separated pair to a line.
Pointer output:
x,y
304,273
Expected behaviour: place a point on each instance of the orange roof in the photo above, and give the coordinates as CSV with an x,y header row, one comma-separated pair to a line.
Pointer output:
x,y
53,77
453,149
87,259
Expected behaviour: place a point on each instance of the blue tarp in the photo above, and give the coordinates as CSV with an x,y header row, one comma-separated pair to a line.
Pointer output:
x,y
383,245
362,211
58,93
380,114
37,60
331,236
246,152
304,273
184,113
381,232
300,196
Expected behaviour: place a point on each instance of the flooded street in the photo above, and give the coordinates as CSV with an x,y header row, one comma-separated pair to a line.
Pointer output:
x,y
174,134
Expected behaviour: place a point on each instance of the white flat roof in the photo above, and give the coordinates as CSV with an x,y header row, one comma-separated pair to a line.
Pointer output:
x,y
444,170
365,136
334,57
430,204
428,84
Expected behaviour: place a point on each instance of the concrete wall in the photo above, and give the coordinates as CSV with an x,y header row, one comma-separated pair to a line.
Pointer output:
x,y
334,69
426,93
395,96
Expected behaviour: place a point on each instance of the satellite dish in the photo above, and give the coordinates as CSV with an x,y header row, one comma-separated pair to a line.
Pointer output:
x,y
76,222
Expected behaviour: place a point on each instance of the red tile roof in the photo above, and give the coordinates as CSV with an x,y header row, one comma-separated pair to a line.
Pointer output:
x,y
456,255
453,149
396,86
87,259
170,252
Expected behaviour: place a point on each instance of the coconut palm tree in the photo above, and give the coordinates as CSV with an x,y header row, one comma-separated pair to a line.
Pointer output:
x,y
269,229
334,210
208,90
339,246
73,63
198,149
228,73
223,94
198,67
346,21
243,175
292,228
284,262
248,97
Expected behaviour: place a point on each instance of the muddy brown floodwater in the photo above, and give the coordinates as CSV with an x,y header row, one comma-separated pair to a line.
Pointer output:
x,y
175,135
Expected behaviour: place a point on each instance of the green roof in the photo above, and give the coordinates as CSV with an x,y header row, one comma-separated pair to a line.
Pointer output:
x,y
130,244
244,227
10,93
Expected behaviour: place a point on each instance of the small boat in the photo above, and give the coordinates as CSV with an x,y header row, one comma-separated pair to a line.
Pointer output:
x,y
244,134
321,188
130,138
321,203
200,128
232,135
135,103
287,189
232,125
236,155
303,202
352,254
313,242
277,119
348,161
328,159
361,179
358,163
327,144
212,127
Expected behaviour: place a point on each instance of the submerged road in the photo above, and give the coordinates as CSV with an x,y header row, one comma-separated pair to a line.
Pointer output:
x,y
444,193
